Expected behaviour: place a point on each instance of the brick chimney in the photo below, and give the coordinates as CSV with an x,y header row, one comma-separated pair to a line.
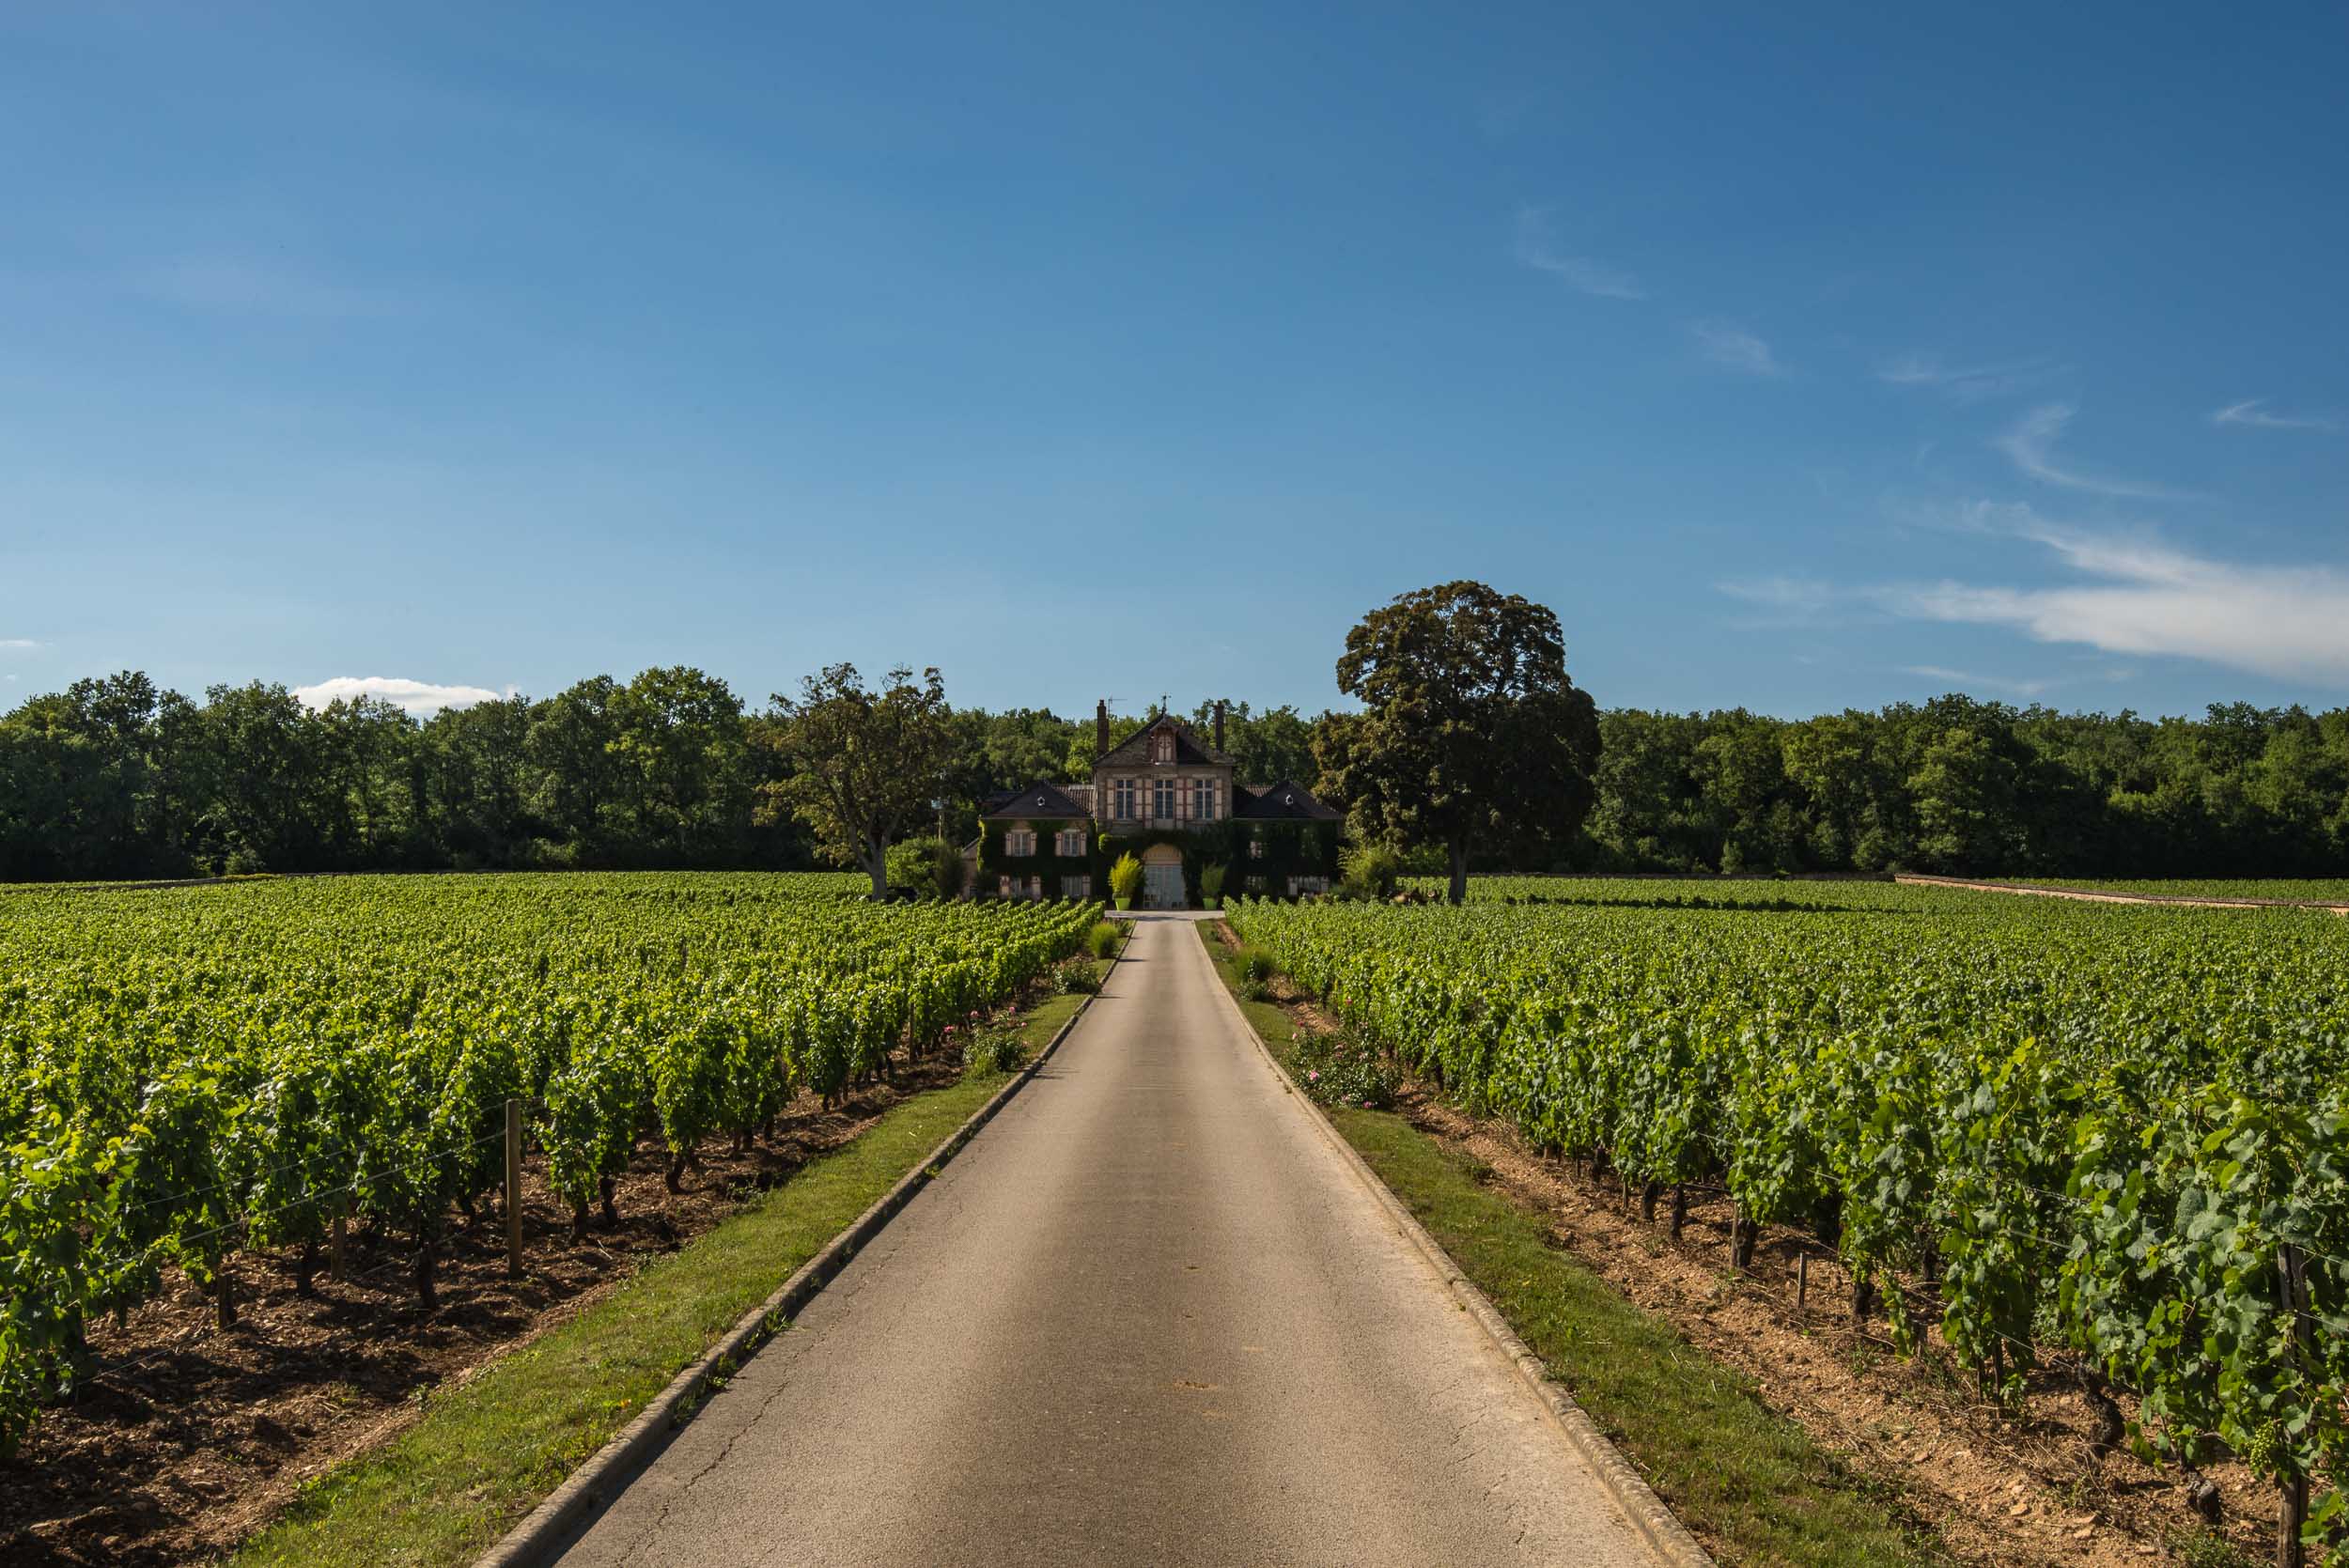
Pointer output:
x,y
1101,729
1219,725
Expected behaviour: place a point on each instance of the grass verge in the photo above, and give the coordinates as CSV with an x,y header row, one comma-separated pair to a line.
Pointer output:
x,y
485,1453
1752,1483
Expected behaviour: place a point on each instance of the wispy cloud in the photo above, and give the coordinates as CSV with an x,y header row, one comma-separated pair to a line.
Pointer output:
x,y
1784,600
1537,247
1970,383
236,284
2289,622
1960,680
18,644
415,696
2030,446
2137,597
2253,414
1733,348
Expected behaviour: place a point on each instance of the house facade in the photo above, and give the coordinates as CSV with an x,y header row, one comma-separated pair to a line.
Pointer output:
x,y
1168,798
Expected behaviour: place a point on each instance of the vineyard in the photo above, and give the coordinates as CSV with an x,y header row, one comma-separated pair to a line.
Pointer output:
x,y
190,1073
2035,1132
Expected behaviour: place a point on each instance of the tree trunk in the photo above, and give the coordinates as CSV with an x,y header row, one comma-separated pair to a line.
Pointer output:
x,y
875,855
1457,853
426,1296
2110,1429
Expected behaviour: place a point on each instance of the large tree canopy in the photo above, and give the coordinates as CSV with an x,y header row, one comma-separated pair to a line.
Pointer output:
x,y
1470,733
864,765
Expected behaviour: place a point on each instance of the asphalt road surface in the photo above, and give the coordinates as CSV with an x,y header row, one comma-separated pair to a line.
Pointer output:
x,y
1148,1315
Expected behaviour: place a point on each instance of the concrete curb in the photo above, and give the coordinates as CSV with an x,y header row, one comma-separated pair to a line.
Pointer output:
x,y
554,1522
1638,1499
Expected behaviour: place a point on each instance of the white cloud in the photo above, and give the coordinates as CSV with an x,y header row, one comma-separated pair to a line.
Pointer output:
x,y
1960,680
2251,413
1734,349
1784,601
237,284
2291,623
17,642
1969,384
2029,446
2137,597
1537,247
416,696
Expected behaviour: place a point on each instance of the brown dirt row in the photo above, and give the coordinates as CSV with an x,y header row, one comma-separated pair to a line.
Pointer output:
x,y
2105,895
193,1437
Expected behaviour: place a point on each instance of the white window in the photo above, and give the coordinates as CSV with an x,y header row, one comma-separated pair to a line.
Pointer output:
x,y
1161,797
1255,849
1003,887
1122,792
1162,747
1203,799
1069,843
1075,888
1020,843
1309,884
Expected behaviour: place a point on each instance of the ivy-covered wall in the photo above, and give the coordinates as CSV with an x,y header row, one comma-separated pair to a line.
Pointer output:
x,y
1291,848
993,862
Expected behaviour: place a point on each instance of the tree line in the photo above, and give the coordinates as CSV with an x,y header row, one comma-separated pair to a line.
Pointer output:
x,y
116,778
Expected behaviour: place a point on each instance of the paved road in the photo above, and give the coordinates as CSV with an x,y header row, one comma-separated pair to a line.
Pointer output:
x,y
1147,1316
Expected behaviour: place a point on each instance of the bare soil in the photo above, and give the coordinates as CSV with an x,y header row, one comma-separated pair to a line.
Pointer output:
x,y
2105,895
192,1437
2021,1489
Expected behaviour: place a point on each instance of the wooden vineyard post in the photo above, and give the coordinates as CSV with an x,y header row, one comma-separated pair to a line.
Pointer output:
x,y
513,1189
334,1263
2292,1503
1802,1282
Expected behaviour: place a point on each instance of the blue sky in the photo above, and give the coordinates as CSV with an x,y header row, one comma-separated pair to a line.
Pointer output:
x,y
1094,350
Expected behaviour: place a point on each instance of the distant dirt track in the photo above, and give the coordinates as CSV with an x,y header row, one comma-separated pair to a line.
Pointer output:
x,y
2099,895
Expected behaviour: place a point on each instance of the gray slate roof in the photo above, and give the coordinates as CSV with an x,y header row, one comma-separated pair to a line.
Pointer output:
x,y
1037,802
1286,802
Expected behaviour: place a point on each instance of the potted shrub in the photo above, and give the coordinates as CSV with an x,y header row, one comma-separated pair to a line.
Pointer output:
x,y
1126,880
1211,886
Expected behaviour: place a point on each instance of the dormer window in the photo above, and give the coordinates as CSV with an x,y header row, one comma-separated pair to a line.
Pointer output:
x,y
1162,747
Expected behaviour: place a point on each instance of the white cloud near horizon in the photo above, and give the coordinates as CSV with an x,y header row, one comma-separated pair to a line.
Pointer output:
x,y
1961,679
2029,446
2138,596
2251,412
1537,247
415,696
1733,348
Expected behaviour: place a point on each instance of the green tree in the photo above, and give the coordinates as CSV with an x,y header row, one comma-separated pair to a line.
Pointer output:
x,y
1471,730
863,765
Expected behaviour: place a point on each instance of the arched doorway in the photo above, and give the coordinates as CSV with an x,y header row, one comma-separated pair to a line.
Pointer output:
x,y
1162,878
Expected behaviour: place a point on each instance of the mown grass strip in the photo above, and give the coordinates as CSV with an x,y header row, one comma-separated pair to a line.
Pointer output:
x,y
484,1454
1752,1483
